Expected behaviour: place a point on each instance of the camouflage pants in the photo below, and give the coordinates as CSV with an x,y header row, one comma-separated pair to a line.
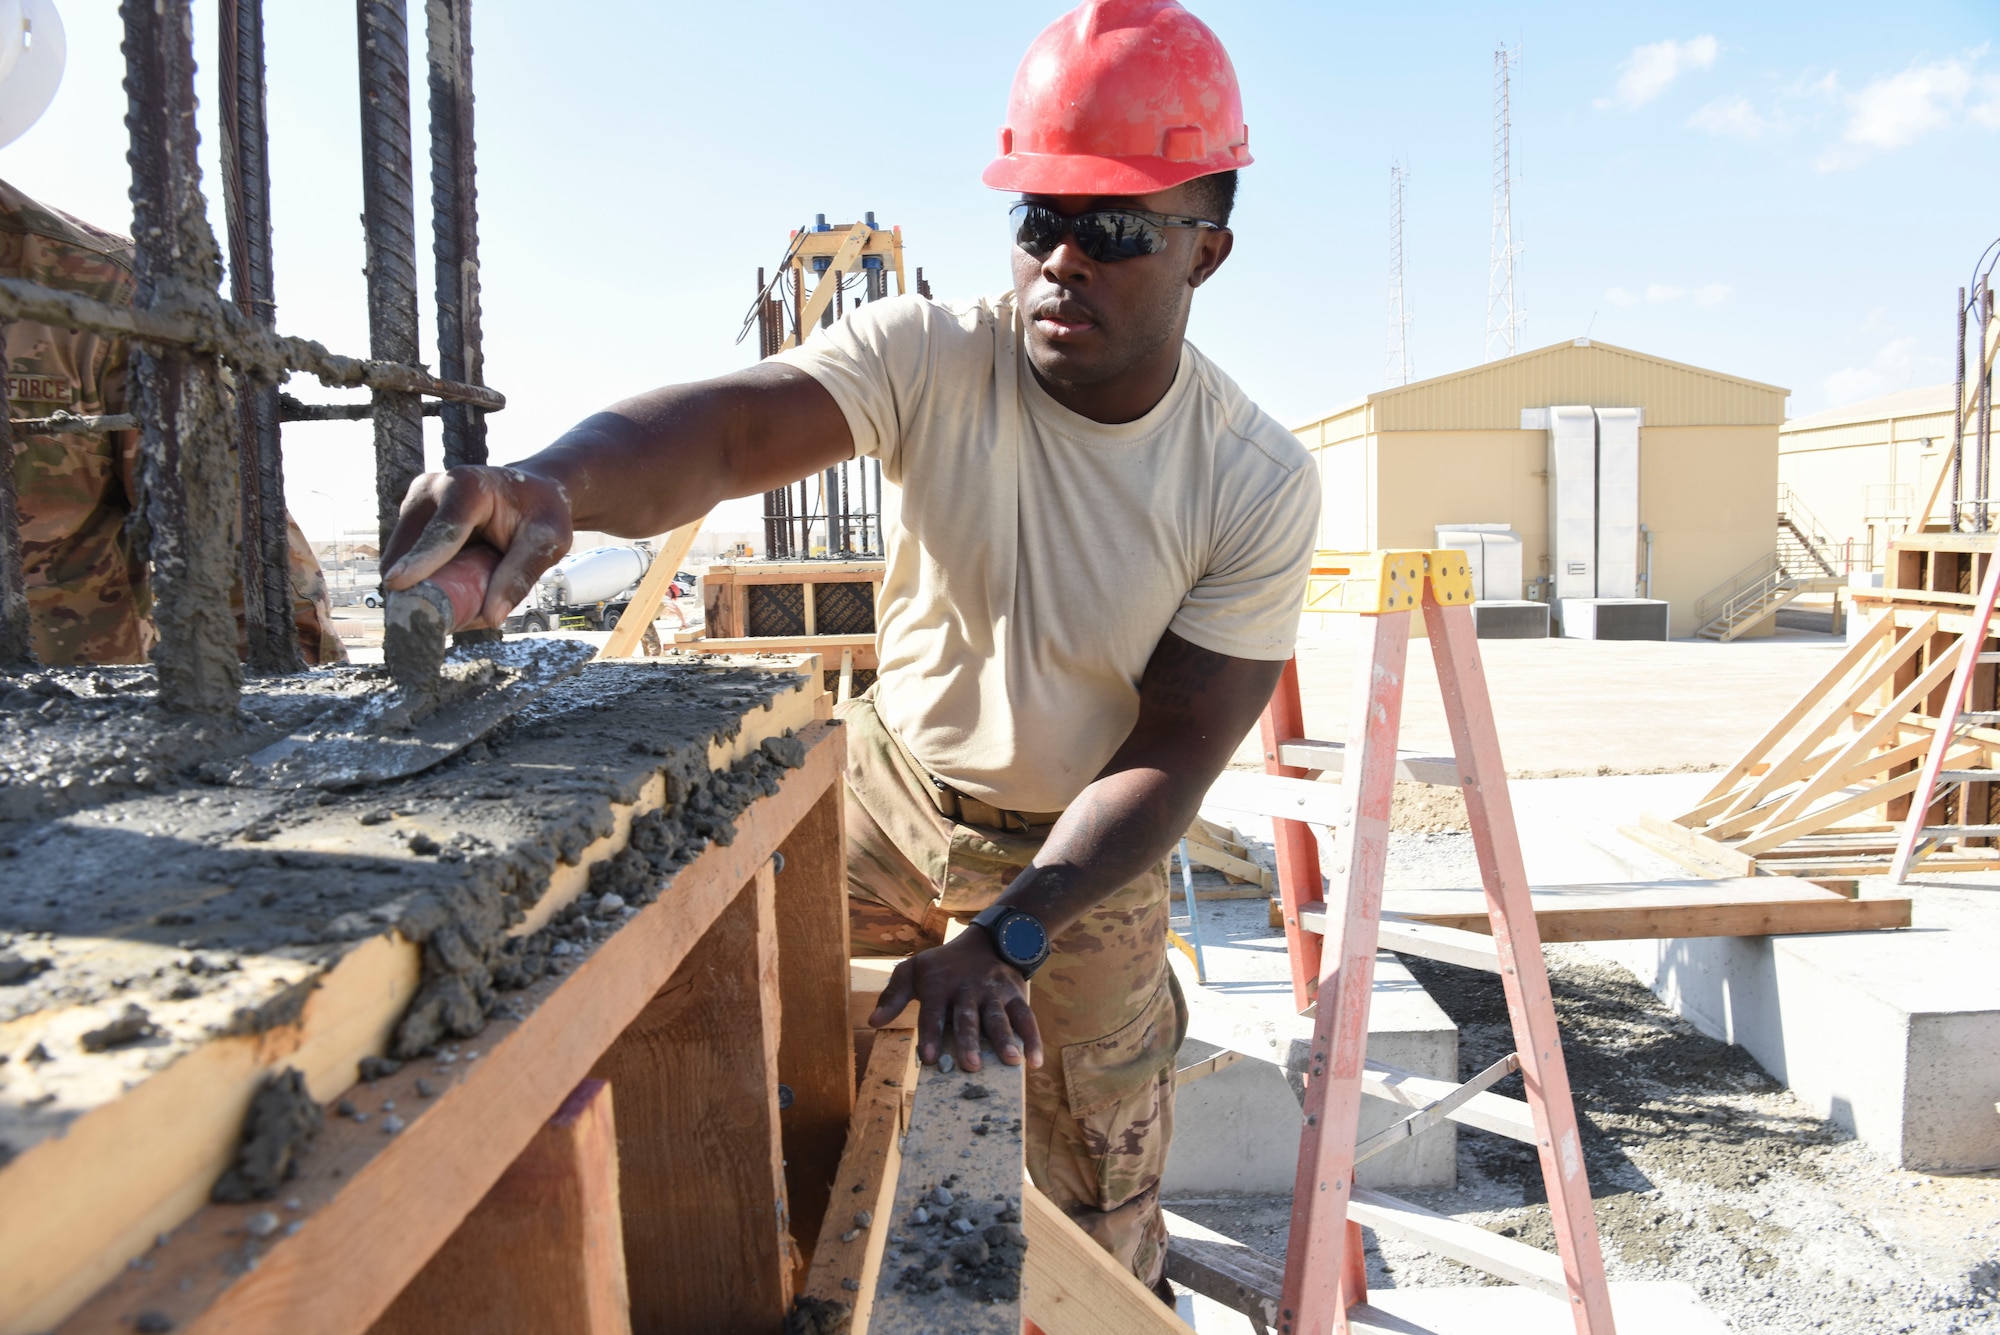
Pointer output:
x,y
1101,1108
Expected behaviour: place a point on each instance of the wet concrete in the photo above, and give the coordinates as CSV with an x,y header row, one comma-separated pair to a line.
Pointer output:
x,y
130,877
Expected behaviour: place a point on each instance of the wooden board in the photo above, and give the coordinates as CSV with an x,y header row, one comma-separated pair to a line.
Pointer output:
x,y
847,1263
1241,869
1224,1270
652,589
1074,1287
1740,906
143,1161
701,1168
340,1268
816,1059
980,1174
544,1250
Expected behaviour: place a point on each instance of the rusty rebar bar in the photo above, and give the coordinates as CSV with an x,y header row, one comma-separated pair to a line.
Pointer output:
x,y
272,642
17,646
188,454
455,222
388,218
210,327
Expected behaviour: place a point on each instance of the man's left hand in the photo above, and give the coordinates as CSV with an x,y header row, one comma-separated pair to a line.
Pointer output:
x,y
963,984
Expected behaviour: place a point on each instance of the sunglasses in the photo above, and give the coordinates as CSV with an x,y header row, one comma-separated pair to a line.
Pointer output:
x,y
1105,235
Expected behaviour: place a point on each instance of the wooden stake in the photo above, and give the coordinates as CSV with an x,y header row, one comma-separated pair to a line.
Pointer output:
x,y
645,604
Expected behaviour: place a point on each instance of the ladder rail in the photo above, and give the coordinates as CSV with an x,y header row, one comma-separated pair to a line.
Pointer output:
x,y
1293,842
1318,1290
1969,651
1530,1002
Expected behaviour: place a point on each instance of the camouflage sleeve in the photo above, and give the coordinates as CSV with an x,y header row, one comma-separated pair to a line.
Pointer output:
x,y
312,610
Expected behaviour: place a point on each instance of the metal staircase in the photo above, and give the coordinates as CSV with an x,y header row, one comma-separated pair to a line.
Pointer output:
x,y
1802,563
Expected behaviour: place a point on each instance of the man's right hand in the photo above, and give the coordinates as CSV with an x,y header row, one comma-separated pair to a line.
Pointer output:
x,y
523,515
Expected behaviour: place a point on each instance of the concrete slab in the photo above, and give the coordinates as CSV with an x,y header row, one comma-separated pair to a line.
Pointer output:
x,y
1237,1132
1894,1036
1640,1307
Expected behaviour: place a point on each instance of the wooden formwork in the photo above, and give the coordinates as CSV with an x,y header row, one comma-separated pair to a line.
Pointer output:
x,y
1822,791
666,1136
822,607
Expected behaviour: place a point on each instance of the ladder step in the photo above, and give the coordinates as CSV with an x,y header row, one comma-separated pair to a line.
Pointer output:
x,y
1446,945
1979,715
1435,1114
1495,1113
1411,766
1962,831
1969,775
1468,1244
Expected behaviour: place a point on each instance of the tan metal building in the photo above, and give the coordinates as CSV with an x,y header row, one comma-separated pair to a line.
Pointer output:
x,y
1851,474
1474,447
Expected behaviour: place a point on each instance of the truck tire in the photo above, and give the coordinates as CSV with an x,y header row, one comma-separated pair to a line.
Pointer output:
x,y
534,621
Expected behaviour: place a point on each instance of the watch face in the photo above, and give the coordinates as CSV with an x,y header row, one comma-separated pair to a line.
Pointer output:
x,y
1022,938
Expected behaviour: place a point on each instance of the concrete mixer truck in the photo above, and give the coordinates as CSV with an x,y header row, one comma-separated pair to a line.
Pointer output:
x,y
588,590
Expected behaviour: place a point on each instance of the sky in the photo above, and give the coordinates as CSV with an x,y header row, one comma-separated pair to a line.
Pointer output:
x,y
1780,191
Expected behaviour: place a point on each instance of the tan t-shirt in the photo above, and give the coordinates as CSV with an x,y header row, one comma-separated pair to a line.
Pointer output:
x,y
1039,556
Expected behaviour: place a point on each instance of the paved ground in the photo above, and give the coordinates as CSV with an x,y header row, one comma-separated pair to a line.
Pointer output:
x,y
1588,706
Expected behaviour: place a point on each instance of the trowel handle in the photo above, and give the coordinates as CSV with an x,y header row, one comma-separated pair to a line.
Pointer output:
x,y
464,580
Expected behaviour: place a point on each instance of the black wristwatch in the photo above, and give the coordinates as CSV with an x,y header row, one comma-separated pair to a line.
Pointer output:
x,y
1018,937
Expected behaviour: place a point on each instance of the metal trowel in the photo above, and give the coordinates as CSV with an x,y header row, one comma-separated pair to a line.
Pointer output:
x,y
441,700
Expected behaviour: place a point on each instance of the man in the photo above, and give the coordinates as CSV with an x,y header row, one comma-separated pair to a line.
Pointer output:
x,y
1095,581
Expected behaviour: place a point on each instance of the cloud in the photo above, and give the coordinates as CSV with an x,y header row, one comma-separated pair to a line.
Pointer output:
x,y
1650,70
1892,368
1895,110
1732,115
1665,294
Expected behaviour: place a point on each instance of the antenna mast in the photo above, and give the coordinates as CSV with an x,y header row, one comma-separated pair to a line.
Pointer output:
x,y
1397,370
1504,317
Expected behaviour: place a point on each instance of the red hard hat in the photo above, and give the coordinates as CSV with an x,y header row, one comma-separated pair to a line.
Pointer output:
x,y
1120,97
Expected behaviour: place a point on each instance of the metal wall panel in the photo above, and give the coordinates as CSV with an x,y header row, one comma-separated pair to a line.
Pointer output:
x,y
1493,552
1573,501
1618,561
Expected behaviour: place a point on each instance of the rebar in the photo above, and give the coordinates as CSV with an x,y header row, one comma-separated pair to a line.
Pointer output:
x,y
188,456
455,222
388,220
246,180
217,329
17,646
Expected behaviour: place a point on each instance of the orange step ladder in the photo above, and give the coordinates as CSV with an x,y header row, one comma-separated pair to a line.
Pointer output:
x,y
1324,1277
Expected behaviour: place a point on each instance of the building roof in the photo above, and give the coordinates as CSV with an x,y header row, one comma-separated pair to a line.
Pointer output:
x,y
1490,397
1922,401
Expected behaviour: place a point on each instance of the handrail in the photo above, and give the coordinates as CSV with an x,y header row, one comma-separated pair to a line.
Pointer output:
x,y
1806,527
1750,577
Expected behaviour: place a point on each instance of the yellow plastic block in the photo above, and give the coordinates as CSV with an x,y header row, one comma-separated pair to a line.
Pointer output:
x,y
1450,575
1369,583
